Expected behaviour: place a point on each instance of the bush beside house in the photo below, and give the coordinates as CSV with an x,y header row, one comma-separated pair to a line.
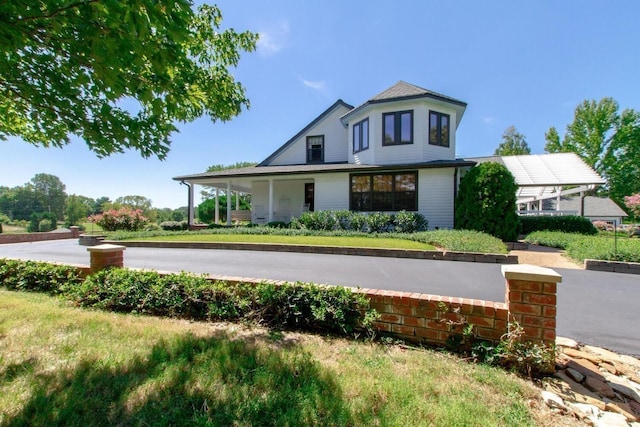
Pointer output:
x,y
486,201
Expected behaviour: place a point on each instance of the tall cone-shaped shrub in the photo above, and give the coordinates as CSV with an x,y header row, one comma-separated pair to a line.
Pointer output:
x,y
486,201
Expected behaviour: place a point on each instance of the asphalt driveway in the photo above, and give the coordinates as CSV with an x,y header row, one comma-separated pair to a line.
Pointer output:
x,y
596,308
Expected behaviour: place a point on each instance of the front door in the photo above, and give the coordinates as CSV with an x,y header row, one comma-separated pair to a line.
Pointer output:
x,y
308,195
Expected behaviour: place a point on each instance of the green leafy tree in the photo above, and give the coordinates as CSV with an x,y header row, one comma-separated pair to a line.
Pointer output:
x,y
77,209
486,201
100,203
607,140
51,193
118,74
513,143
207,209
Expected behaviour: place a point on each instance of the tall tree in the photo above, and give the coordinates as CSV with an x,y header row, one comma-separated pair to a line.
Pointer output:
x,y
513,143
607,140
118,74
77,209
51,192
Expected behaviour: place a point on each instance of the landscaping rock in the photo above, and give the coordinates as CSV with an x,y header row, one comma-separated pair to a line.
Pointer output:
x,y
566,343
596,385
553,401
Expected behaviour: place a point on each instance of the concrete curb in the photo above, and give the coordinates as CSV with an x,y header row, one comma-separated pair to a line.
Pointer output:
x,y
331,250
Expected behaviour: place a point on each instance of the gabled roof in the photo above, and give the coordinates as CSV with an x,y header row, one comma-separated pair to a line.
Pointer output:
x,y
317,120
403,91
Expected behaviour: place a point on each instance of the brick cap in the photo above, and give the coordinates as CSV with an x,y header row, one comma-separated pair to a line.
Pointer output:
x,y
530,273
106,247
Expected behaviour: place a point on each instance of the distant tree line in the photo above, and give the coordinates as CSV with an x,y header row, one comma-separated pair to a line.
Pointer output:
x,y
44,197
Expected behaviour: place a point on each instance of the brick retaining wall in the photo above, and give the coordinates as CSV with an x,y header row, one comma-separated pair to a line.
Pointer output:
x,y
74,233
612,266
332,250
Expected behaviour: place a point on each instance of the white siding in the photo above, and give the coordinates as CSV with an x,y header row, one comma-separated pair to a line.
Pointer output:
x,y
332,191
335,142
435,196
418,152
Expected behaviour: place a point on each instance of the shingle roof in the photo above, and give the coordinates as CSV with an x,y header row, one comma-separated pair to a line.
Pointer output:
x,y
257,171
403,90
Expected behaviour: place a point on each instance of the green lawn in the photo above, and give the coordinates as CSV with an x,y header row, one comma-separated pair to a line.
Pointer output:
x,y
581,247
343,241
61,365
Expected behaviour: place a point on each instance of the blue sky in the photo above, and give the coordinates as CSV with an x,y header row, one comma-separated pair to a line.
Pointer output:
x,y
527,64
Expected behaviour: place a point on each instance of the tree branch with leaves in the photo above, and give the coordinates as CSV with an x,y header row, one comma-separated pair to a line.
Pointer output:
x,y
119,75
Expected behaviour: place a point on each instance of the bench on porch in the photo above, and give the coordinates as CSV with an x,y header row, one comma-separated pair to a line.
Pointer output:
x,y
240,215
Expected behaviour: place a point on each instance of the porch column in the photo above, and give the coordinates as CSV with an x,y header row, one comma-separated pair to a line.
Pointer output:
x,y
190,207
237,200
228,202
217,215
270,216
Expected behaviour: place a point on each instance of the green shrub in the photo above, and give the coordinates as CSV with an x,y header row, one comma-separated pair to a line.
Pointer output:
x,y
125,219
174,225
37,276
277,224
409,222
44,225
301,306
37,217
486,201
565,223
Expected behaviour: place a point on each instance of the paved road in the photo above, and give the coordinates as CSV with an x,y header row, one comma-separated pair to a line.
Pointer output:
x,y
597,308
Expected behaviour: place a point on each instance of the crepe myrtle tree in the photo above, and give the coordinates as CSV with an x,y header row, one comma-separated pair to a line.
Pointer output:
x,y
118,74
486,201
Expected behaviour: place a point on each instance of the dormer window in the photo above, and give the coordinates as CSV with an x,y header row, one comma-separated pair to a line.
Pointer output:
x,y
361,135
397,128
438,129
315,149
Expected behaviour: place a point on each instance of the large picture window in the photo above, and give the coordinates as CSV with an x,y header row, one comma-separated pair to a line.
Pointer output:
x,y
384,192
361,135
315,149
397,128
438,129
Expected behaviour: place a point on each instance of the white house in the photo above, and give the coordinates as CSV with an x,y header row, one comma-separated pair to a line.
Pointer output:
x,y
394,152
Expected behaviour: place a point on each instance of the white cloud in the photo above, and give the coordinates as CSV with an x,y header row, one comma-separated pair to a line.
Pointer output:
x,y
319,85
488,119
273,41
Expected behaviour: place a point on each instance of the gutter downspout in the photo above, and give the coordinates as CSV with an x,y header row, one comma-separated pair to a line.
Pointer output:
x,y
190,215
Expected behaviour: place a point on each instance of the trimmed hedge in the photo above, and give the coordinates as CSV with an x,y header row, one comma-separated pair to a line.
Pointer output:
x,y
290,305
372,222
565,223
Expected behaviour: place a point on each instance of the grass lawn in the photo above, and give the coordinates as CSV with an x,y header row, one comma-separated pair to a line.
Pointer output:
x,y
344,241
61,365
580,247
13,229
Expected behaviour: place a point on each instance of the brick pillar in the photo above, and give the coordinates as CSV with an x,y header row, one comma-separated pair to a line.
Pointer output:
x,y
531,300
75,231
106,255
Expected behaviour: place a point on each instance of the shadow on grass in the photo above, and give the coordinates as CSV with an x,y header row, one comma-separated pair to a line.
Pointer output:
x,y
191,381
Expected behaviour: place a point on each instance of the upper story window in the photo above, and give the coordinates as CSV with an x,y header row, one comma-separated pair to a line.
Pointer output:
x,y
315,149
361,135
439,128
397,128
